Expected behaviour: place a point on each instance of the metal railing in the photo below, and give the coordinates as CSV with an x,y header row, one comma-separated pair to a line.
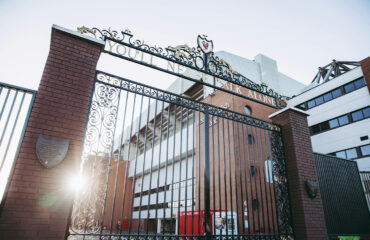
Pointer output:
x,y
15,108
365,178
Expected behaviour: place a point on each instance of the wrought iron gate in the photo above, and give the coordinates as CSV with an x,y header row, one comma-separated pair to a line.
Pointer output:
x,y
161,165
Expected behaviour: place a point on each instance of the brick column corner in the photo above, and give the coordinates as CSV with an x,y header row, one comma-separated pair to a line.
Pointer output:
x,y
365,66
37,203
308,214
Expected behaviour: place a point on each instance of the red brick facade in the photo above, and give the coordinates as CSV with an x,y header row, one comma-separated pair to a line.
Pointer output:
x,y
37,203
308,214
365,65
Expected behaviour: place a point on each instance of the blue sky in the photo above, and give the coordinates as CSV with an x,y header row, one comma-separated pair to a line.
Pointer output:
x,y
299,35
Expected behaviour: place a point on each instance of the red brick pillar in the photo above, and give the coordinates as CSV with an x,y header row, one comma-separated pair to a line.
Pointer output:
x,y
365,66
37,203
308,214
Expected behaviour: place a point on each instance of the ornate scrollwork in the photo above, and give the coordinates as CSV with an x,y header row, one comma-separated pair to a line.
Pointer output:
x,y
281,185
135,87
192,57
89,203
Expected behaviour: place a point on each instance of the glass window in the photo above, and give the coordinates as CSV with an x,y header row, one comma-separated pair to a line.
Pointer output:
x,y
311,104
250,139
325,126
359,83
315,128
328,97
356,116
343,120
248,110
349,87
337,93
333,123
351,153
365,150
341,154
302,106
319,100
366,112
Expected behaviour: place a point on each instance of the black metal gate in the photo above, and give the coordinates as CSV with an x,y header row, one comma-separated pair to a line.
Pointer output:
x,y
160,165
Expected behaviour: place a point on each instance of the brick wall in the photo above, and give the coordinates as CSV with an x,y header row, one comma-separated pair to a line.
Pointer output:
x,y
308,215
365,65
37,203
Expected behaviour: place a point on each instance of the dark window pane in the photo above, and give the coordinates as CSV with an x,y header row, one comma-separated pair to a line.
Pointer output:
x,y
328,97
356,116
341,154
343,120
337,93
302,106
333,123
325,126
319,100
365,150
349,87
351,153
311,104
366,112
360,83
315,128
250,139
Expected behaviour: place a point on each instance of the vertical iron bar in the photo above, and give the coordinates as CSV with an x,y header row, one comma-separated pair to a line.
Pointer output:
x,y
236,180
206,174
241,176
251,142
180,163
258,137
213,174
199,179
166,164
225,178
5,101
128,160
159,169
12,132
118,164
230,177
266,171
186,165
219,168
245,177
193,177
9,115
173,160
151,164
136,155
143,170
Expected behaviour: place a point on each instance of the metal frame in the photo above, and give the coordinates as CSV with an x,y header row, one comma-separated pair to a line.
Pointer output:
x,y
102,160
333,70
24,92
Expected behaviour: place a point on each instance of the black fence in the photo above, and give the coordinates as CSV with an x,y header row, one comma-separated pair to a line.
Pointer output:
x,y
345,207
163,166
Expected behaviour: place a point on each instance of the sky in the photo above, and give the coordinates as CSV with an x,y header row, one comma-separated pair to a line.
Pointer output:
x,y
299,35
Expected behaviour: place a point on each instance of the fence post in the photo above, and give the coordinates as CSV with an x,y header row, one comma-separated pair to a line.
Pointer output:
x,y
207,200
307,214
38,202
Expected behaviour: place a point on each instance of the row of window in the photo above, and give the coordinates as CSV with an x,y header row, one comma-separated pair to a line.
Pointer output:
x,y
353,153
347,88
341,120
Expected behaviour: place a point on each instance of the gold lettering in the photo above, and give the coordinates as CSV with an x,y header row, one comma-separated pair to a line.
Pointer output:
x,y
180,68
237,89
250,93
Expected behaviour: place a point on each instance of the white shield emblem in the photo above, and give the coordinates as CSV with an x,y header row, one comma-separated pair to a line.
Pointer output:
x,y
205,45
51,151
